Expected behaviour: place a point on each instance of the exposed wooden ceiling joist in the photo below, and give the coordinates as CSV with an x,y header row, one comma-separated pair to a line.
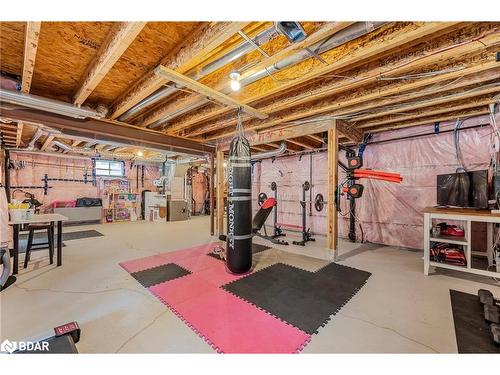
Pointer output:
x,y
358,54
455,72
180,79
19,134
355,103
272,136
182,59
437,110
304,142
30,47
118,40
316,138
47,142
411,106
430,120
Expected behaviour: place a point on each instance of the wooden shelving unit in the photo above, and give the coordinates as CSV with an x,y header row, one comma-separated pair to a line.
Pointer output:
x,y
467,217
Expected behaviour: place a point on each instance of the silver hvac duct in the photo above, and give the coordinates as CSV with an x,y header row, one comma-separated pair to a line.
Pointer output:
x,y
62,146
38,133
352,32
48,105
232,55
269,154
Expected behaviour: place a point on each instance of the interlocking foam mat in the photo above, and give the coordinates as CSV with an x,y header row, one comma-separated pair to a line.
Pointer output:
x,y
41,237
471,330
256,248
273,310
304,299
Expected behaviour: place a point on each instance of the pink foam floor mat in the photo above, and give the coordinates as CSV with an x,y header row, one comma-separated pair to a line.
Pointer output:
x,y
229,324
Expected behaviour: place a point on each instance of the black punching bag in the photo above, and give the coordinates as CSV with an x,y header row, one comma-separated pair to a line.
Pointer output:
x,y
239,207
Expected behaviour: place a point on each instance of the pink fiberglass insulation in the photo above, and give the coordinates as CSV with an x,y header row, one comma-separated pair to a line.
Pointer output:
x,y
68,168
200,191
389,213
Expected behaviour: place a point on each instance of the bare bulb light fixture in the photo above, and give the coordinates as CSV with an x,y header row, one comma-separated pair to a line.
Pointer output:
x,y
140,153
235,80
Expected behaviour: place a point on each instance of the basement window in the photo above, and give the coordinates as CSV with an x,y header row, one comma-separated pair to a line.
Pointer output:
x,y
109,168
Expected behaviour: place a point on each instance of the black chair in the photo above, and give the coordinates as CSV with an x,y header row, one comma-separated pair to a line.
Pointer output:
x,y
40,245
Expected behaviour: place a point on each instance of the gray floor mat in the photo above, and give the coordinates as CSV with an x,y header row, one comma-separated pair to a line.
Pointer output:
x,y
304,299
160,274
81,234
42,237
471,330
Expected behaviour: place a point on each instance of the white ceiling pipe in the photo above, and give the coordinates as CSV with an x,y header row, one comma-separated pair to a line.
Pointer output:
x,y
269,154
48,105
352,32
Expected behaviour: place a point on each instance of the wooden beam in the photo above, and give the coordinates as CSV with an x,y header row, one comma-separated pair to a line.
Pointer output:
x,y
431,120
301,144
271,136
211,193
76,143
112,132
220,192
331,209
30,47
116,43
391,41
185,57
257,148
324,32
19,134
180,79
48,141
316,138
429,112
375,98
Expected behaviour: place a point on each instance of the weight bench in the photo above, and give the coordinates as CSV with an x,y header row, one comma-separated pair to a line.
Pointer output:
x,y
259,220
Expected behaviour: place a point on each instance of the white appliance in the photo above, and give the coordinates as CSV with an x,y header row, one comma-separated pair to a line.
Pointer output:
x,y
155,207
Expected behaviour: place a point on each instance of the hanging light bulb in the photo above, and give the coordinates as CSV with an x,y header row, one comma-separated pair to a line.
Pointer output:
x,y
140,153
235,80
235,85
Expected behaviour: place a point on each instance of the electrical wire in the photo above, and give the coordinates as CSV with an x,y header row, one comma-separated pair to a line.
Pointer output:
x,y
422,74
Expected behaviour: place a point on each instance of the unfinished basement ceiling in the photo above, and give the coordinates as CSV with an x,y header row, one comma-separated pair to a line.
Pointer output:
x,y
375,76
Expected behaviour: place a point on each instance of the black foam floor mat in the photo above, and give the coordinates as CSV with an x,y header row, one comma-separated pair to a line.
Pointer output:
x,y
256,248
160,274
41,237
471,330
302,298
81,234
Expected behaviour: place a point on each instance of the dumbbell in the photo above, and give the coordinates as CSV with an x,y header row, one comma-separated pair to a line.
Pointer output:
x,y
490,306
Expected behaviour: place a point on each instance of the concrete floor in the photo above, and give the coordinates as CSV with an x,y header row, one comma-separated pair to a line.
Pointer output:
x,y
398,311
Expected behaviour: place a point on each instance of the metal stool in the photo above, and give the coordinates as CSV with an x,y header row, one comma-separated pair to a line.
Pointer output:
x,y
43,245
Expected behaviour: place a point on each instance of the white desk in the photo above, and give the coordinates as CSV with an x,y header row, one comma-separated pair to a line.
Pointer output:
x,y
467,216
37,219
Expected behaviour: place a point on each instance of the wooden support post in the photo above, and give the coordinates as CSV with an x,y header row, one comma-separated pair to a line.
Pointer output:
x,y
220,192
331,211
211,191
